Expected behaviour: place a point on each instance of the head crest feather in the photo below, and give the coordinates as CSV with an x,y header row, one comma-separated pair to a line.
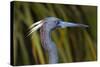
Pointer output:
x,y
35,27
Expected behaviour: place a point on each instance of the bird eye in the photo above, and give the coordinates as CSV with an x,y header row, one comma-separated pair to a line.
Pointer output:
x,y
57,22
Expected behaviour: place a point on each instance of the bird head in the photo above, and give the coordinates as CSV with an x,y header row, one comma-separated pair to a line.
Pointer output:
x,y
51,23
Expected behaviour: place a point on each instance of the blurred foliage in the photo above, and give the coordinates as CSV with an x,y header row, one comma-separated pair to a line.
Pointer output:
x,y
74,44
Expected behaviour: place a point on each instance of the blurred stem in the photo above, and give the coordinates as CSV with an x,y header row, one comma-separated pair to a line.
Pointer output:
x,y
24,51
64,40
91,49
38,48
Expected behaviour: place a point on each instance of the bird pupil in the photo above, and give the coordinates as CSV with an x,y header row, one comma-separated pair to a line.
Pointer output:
x,y
57,22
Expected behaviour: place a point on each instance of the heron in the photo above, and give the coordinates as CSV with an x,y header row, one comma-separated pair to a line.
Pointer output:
x,y
46,26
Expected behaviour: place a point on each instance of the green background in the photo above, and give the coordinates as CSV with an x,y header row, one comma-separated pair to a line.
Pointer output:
x,y
73,44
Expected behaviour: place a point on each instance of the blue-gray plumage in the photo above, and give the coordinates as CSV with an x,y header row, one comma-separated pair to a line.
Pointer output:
x,y
46,26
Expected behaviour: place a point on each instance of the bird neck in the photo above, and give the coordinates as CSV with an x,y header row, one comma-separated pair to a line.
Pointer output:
x,y
48,45
45,36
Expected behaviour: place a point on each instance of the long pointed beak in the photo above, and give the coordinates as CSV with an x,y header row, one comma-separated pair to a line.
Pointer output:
x,y
69,24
